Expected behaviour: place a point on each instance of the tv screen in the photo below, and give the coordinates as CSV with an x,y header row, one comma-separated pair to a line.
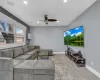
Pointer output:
x,y
74,37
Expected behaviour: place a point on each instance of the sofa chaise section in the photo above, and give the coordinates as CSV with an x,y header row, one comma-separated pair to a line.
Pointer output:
x,y
35,70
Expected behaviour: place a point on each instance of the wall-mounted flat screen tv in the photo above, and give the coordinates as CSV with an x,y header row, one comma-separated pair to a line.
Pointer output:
x,y
74,37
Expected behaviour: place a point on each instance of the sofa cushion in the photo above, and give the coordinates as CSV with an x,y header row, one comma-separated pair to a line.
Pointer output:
x,y
31,52
18,51
30,47
6,53
34,55
25,49
23,57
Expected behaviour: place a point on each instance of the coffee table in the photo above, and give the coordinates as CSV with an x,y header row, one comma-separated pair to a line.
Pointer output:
x,y
43,54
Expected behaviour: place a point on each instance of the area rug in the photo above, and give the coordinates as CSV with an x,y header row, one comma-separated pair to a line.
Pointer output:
x,y
66,70
61,71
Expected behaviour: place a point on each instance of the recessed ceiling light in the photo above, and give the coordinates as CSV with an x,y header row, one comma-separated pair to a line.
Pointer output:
x,y
65,1
25,2
38,22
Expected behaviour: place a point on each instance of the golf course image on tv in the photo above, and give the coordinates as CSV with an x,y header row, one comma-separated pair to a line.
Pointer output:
x,y
74,37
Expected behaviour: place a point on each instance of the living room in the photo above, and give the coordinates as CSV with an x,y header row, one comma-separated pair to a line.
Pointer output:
x,y
51,39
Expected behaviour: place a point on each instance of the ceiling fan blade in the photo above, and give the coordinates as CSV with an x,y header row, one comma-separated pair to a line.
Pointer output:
x,y
52,20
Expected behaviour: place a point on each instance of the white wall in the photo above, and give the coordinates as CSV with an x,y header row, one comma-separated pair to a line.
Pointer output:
x,y
49,38
90,19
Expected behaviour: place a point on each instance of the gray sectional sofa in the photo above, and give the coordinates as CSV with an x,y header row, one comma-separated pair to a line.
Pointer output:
x,y
18,64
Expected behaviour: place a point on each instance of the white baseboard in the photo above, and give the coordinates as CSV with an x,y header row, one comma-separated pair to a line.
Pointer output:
x,y
58,52
93,71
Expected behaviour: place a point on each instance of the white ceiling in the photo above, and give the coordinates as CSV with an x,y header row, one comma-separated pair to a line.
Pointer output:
x,y
36,9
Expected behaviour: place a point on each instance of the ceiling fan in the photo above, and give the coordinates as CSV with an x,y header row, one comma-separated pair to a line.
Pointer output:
x,y
46,19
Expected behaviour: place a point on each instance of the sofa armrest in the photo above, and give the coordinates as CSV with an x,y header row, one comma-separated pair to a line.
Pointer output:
x,y
6,68
6,64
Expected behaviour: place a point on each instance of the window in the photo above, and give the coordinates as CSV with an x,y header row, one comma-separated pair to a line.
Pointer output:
x,y
19,35
4,26
5,36
2,41
11,34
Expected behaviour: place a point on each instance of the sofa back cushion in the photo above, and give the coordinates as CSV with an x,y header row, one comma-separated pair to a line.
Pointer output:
x,y
30,47
18,51
6,53
25,49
